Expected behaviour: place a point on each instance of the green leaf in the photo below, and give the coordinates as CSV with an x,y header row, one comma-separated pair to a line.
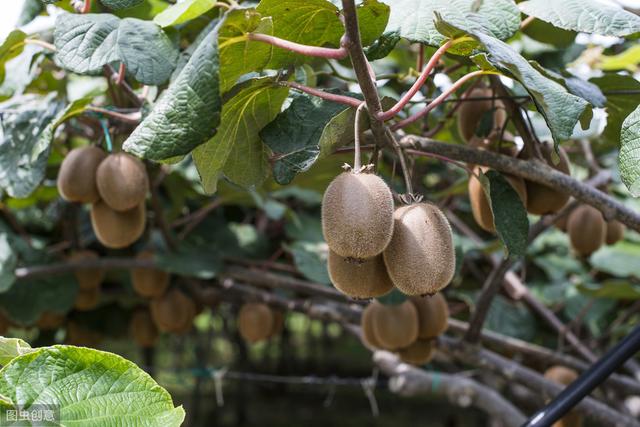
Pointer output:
x,y
509,214
187,113
192,260
373,17
89,387
121,4
30,9
87,42
237,149
10,348
588,16
183,12
8,263
310,259
629,157
10,48
619,104
627,60
575,85
383,46
546,33
620,260
414,19
510,319
614,289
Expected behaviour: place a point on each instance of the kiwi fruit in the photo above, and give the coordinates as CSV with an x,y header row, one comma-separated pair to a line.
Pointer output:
x,y
77,175
396,326
615,232
87,299
480,204
255,322
5,323
366,324
278,323
191,311
117,230
357,215
82,336
419,353
122,181
142,329
561,223
420,258
433,315
564,376
149,282
359,278
88,279
587,230
173,311
470,114
544,200
49,321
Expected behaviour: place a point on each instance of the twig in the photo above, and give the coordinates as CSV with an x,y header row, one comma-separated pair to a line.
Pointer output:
x,y
130,118
121,74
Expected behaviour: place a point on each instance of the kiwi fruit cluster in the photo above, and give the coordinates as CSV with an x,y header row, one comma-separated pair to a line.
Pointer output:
x,y
115,185
149,282
409,329
471,115
258,322
564,376
588,230
173,311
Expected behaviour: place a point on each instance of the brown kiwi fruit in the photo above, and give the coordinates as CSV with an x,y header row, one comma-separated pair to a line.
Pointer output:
x,y
480,205
149,282
396,326
142,329
359,278
357,215
88,279
433,315
419,353
615,232
564,376
470,114
543,200
420,258
191,311
87,300
77,175
82,336
255,322
366,323
587,230
278,323
49,321
173,311
122,181
117,230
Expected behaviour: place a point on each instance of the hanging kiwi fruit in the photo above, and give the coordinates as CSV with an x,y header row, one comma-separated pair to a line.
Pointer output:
x,y
419,353
255,322
117,230
173,311
473,114
366,323
122,181
142,329
395,326
564,376
615,232
544,200
49,321
88,278
587,230
359,279
433,315
87,299
77,175
278,323
149,282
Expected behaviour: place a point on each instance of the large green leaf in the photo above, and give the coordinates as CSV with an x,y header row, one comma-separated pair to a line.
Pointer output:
x,y
201,259
10,48
627,60
373,17
620,260
10,348
619,103
629,157
237,149
511,319
188,112
310,259
183,12
121,4
414,19
88,387
30,9
87,42
548,34
8,262
588,16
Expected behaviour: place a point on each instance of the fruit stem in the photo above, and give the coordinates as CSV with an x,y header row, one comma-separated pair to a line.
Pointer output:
x,y
403,161
357,165
340,99
107,136
303,49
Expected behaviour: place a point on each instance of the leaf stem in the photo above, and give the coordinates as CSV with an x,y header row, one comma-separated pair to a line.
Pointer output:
x,y
315,51
121,74
357,162
40,43
87,7
340,99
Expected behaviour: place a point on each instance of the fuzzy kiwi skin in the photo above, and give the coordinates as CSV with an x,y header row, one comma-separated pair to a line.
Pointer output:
x,y
543,200
122,181
480,205
615,232
419,353
433,315
366,323
49,321
173,311
420,258
142,329
255,322
396,326
359,279
117,230
357,215
470,114
564,376
587,230
88,279
87,300
77,175
149,282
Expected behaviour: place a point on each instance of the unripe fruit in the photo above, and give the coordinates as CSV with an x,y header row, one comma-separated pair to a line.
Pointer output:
x,y
357,215
77,175
173,311
470,114
115,229
88,279
587,230
419,353
433,315
81,336
87,299
142,329
359,279
420,258
255,322
149,282
480,204
615,232
543,200
564,376
49,321
366,323
396,326
122,181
